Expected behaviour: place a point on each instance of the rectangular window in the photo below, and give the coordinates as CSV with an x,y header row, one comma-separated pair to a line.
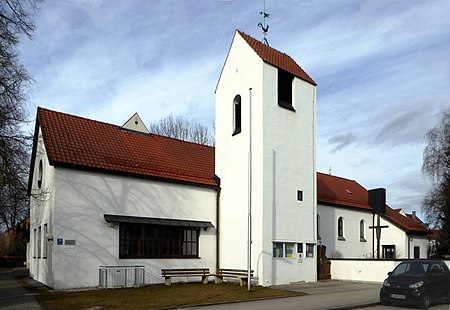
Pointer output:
x,y
44,250
152,241
299,247
285,80
289,248
300,195
39,245
310,250
277,249
284,249
388,251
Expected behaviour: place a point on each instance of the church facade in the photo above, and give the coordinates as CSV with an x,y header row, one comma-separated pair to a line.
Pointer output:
x,y
105,195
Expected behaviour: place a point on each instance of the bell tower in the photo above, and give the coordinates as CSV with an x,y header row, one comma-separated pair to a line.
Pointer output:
x,y
265,156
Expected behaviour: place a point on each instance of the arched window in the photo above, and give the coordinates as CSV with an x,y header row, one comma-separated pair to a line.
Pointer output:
x,y
341,228
362,231
318,228
40,174
236,115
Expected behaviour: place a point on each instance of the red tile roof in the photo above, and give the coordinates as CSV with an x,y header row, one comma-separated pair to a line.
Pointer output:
x,y
405,222
348,193
76,141
340,191
276,58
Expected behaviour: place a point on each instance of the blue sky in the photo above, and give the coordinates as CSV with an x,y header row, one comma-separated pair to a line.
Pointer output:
x,y
382,68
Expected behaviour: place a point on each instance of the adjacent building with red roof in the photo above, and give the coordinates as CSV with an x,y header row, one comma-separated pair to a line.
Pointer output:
x,y
347,221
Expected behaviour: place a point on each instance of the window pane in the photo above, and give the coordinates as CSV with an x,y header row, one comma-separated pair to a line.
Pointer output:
x,y
289,250
277,249
309,250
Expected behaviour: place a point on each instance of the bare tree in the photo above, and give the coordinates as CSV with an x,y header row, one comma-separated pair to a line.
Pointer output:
x,y
180,128
15,21
436,166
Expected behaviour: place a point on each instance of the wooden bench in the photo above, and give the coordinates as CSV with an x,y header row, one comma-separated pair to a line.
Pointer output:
x,y
168,274
240,274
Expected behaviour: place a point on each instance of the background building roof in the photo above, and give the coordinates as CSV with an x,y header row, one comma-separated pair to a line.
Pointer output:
x,y
79,142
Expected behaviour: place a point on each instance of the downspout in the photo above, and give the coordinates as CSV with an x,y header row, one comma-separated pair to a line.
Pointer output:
x,y
217,229
409,246
373,235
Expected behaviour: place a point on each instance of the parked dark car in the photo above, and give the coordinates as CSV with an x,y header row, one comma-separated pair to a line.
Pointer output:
x,y
417,283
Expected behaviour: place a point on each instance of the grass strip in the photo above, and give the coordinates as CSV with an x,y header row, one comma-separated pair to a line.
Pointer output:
x,y
152,296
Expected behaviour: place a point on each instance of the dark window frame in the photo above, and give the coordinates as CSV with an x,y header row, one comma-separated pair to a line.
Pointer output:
x,y
341,229
389,251
237,115
40,174
155,241
362,231
285,97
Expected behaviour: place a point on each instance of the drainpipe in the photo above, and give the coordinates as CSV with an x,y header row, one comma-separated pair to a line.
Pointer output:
x,y
217,229
373,236
409,246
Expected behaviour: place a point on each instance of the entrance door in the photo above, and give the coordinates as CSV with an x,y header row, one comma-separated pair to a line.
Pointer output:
x,y
416,252
323,263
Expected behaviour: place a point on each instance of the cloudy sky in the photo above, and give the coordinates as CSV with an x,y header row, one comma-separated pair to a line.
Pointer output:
x,y
382,68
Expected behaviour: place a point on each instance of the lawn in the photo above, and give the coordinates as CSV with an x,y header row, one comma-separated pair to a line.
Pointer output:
x,y
152,296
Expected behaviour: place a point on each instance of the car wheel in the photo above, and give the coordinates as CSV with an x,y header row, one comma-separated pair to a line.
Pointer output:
x,y
425,301
384,302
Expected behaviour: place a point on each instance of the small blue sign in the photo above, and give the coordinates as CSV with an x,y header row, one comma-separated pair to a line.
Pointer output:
x,y
59,241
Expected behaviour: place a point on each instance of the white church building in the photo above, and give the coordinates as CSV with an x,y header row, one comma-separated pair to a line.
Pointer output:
x,y
347,221
106,195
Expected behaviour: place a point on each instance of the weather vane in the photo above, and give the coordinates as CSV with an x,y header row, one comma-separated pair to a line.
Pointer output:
x,y
264,27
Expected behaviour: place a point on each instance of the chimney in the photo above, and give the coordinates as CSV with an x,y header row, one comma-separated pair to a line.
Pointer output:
x,y
414,216
377,200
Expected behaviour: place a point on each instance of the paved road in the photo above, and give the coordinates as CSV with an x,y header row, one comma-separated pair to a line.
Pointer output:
x,y
12,295
437,307
322,295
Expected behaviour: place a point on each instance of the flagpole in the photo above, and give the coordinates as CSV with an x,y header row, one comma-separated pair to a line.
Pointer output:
x,y
249,237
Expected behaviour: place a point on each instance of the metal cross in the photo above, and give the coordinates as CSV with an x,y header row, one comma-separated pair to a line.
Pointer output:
x,y
378,228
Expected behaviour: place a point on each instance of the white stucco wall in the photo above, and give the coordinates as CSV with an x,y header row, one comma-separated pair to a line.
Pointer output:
x,y
82,199
41,213
283,161
394,235
363,270
352,246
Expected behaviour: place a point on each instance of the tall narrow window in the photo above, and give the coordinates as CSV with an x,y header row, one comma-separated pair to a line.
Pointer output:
x,y
44,250
39,245
40,174
285,80
341,228
35,243
236,115
362,231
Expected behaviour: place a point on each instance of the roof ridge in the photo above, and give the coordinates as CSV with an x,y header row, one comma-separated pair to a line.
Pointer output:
x,y
120,127
338,177
276,58
243,33
181,140
79,117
